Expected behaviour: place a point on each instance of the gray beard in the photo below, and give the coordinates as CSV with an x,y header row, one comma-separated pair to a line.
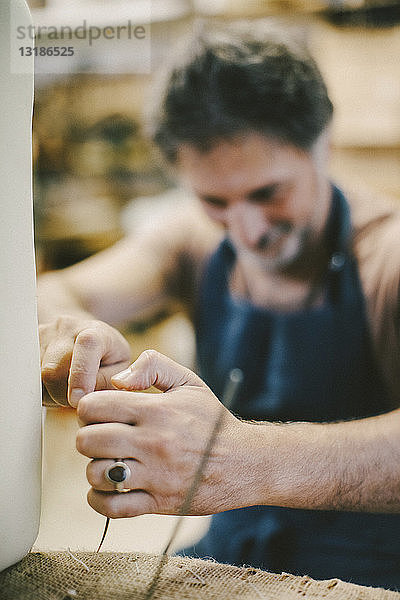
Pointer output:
x,y
289,252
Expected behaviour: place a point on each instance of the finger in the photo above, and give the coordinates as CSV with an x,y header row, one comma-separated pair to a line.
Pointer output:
x,y
54,370
106,372
136,480
118,506
155,369
108,440
116,406
88,350
54,390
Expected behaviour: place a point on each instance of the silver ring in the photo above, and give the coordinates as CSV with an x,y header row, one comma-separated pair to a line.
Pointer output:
x,y
117,473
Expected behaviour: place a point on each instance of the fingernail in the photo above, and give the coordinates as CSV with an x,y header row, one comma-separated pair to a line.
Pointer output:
x,y
75,395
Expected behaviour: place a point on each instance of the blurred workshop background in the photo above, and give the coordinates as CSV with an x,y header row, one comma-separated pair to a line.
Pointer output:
x,y
96,176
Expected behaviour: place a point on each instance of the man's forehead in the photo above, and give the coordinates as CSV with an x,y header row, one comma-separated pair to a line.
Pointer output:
x,y
234,147
242,164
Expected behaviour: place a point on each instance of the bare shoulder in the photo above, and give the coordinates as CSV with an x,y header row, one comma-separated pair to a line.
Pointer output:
x,y
371,210
376,225
376,247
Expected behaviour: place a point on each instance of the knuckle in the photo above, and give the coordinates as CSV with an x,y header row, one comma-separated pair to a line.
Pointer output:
x,y
186,376
152,356
89,338
163,445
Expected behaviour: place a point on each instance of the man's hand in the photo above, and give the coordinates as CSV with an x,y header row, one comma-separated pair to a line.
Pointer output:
x,y
79,356
352,465
162,438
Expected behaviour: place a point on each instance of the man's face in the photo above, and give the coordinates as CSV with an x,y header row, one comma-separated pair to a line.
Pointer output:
x,y
272,198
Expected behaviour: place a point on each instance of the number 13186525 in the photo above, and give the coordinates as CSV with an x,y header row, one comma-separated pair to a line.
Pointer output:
x,y
46,50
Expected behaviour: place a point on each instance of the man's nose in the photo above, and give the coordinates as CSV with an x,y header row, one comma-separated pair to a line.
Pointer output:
x,y
247,224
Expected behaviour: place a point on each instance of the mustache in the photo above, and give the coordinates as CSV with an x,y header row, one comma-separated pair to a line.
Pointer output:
x,y
273,235
290,248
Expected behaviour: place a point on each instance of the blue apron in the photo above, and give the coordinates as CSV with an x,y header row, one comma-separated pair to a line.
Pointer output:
x,y
311,365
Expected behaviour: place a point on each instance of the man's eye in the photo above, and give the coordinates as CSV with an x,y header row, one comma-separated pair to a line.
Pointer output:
x,y
214,202
263,194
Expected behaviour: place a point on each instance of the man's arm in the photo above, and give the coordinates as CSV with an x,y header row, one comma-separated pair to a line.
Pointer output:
x,y
351,465
79,350
78,307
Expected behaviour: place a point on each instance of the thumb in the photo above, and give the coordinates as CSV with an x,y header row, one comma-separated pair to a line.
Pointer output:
x,y
155,369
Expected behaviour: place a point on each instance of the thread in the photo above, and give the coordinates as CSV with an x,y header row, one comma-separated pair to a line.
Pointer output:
x,y
104,534
78,560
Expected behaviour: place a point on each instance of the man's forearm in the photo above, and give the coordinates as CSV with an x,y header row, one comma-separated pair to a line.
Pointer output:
x,y
352,465
55,298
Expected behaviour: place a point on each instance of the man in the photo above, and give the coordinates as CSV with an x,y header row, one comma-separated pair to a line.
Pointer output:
x,y
301,295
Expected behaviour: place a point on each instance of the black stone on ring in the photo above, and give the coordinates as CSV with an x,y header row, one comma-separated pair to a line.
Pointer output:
x,y
117,473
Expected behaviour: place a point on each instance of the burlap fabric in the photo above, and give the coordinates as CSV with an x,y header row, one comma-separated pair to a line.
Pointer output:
x,y
123,576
